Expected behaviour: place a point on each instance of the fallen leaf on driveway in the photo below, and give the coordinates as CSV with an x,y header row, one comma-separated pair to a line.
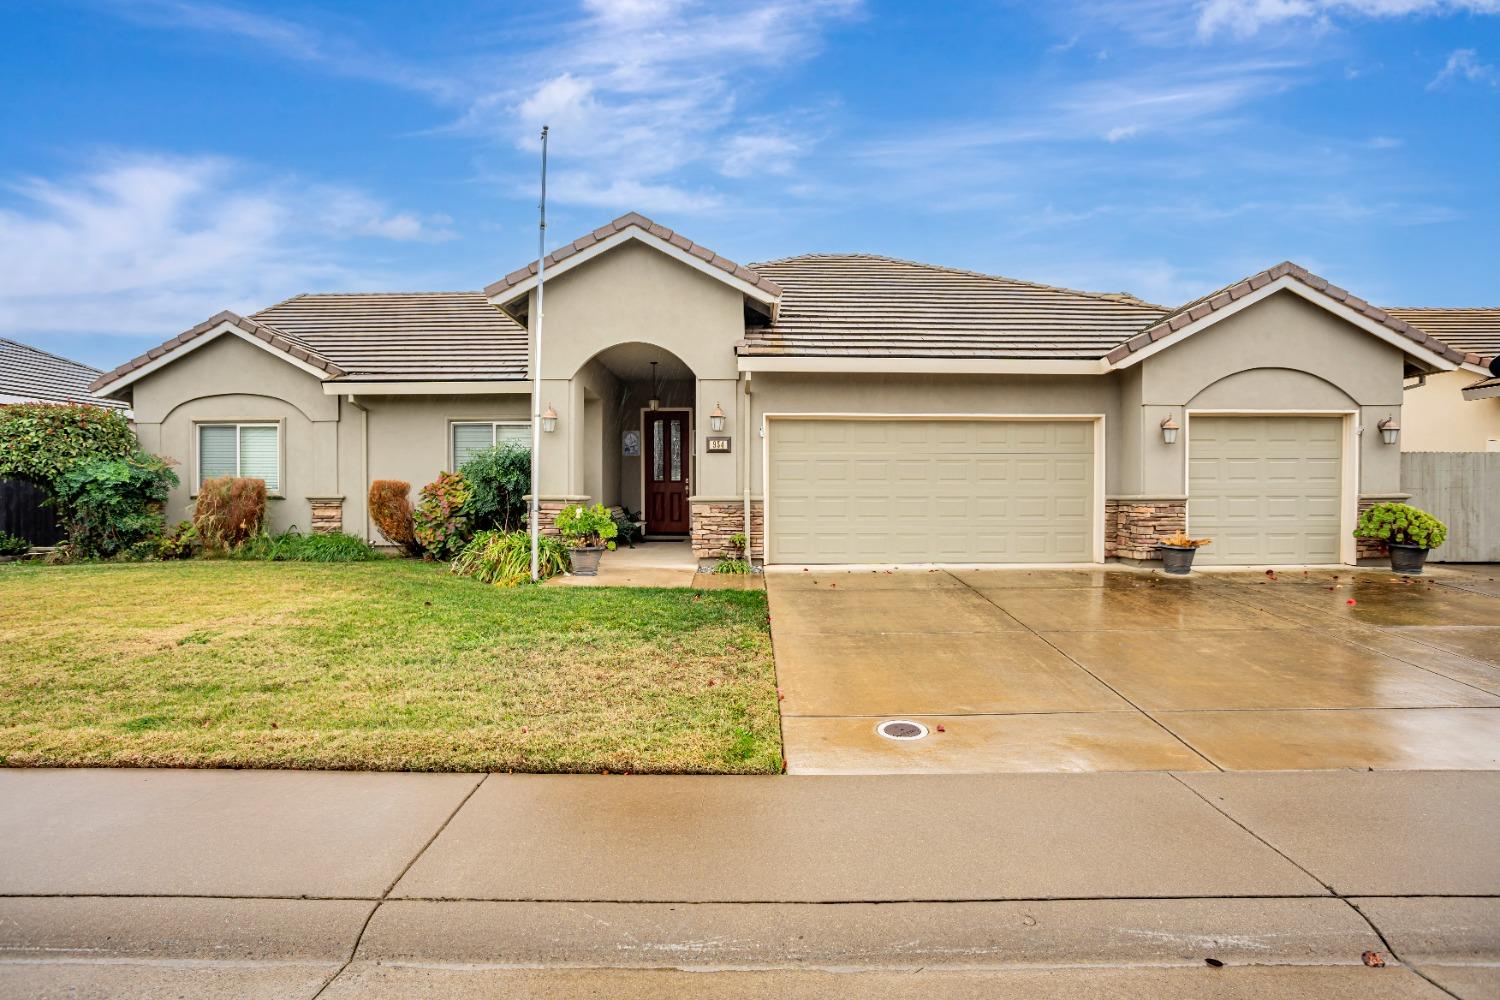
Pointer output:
x,y
1351,602
1373,959
941,729
1214,962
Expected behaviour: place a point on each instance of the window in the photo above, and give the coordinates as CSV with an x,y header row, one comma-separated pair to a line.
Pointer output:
x,y
471,438
250,450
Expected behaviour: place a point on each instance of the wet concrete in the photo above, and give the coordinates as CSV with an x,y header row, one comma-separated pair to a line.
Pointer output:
x,y
1114,669
1068,742
847,839
372,982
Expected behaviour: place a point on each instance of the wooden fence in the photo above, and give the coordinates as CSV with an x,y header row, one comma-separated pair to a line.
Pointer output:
x,y
1462,489
24,512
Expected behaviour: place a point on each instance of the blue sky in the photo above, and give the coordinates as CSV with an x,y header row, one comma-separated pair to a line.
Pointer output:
x,y
164,159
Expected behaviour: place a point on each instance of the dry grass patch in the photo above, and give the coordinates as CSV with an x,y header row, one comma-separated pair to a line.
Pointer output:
x,y
389,665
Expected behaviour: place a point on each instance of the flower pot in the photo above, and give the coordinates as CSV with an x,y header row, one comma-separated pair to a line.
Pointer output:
x,y
1177,559
585,560
1407,559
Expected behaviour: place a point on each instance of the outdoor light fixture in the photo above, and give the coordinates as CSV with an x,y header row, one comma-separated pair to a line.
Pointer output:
x,y
1169,430
1390,430
716,418
655,402
549,419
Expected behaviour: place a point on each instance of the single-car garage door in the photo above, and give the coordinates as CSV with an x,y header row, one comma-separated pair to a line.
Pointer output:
x,y
923,490
1265,489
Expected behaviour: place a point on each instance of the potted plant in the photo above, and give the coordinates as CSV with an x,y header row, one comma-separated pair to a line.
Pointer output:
x,y
1409,533
1177,553
587,531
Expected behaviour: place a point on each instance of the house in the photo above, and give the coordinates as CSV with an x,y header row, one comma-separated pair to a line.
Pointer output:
x,y
28,375
846,408
1459,410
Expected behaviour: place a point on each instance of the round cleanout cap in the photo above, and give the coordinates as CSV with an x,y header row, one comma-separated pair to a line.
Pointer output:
x,y
901,729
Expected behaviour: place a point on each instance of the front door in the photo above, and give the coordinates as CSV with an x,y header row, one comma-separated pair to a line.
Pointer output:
x,y
668,453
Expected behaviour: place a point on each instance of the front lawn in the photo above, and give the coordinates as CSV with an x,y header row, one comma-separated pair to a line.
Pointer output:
x,y
388,665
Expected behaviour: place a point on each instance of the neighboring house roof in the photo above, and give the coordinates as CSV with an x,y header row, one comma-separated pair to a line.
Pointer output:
x,y
865,305
633,225
31,375
288,345
1474,331
1488,388
406,336
1201,308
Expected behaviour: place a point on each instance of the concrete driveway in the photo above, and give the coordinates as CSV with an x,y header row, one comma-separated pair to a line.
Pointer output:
x,y
1127,670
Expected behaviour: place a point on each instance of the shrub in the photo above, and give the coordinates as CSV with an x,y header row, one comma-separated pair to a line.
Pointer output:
x,y
1181,541
1401,524
110,505
40,441
177,542
587,527
293,546
441,524
499,479
390,509
230,511
733,565
504,558
12,545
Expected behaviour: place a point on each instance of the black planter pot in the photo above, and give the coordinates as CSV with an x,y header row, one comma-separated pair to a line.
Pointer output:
x,y
1408,559
1177,559
586,560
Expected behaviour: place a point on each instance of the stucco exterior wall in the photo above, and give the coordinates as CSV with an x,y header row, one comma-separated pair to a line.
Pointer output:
x,y
230,381
634,295
1436,417
1283,353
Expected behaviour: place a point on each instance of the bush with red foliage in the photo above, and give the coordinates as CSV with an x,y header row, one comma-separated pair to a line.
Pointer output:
x,y
390,508
231,510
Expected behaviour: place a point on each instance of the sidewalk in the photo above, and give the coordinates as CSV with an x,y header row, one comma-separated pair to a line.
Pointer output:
x,y
303,884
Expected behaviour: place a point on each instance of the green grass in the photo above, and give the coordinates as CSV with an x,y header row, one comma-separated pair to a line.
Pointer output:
x,y
390,665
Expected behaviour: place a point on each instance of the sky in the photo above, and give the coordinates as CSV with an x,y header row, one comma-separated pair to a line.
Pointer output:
x,y
161,160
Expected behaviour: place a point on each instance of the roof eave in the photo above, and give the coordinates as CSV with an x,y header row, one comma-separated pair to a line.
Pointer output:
x,y
1427,350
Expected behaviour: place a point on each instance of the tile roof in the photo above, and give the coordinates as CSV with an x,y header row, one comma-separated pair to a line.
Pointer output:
x,y
413,336
638,221
865,305
288,344
31,374
1476,332
1216,300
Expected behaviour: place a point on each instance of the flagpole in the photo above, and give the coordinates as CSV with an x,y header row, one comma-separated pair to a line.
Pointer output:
x,y
536,375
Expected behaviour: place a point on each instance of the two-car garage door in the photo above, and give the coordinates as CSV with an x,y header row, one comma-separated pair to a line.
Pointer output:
x,y
909,490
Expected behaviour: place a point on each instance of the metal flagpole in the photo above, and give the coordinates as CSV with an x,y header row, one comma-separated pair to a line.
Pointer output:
x,y
536,375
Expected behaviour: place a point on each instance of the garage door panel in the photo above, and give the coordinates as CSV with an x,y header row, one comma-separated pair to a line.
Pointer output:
x,y
932,491
1266,489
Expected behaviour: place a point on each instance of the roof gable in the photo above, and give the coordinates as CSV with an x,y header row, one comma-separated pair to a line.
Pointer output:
x,y
1203,312
290,348
634,226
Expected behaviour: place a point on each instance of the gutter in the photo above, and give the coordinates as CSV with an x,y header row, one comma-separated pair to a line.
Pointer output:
x,y
749,538
364,462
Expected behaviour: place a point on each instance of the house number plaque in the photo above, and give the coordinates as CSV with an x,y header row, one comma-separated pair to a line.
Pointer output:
x,y
718,444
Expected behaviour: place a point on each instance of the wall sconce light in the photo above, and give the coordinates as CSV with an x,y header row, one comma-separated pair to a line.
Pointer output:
x,y
549,419
716,419
1169,430
1390,430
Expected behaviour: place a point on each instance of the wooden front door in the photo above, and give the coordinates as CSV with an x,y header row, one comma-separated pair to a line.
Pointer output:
x,y
668,454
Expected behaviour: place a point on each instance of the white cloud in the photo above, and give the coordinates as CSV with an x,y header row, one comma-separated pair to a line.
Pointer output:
x,y
150,244
640,92
1463,64
1244,18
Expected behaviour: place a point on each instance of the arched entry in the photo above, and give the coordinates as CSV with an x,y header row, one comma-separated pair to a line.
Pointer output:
x,y
639,426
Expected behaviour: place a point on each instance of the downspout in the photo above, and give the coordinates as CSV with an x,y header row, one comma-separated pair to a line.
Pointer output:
x,y
364,461
749,538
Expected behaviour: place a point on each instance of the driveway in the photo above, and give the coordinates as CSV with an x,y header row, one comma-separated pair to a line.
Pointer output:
x,y
1127,670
